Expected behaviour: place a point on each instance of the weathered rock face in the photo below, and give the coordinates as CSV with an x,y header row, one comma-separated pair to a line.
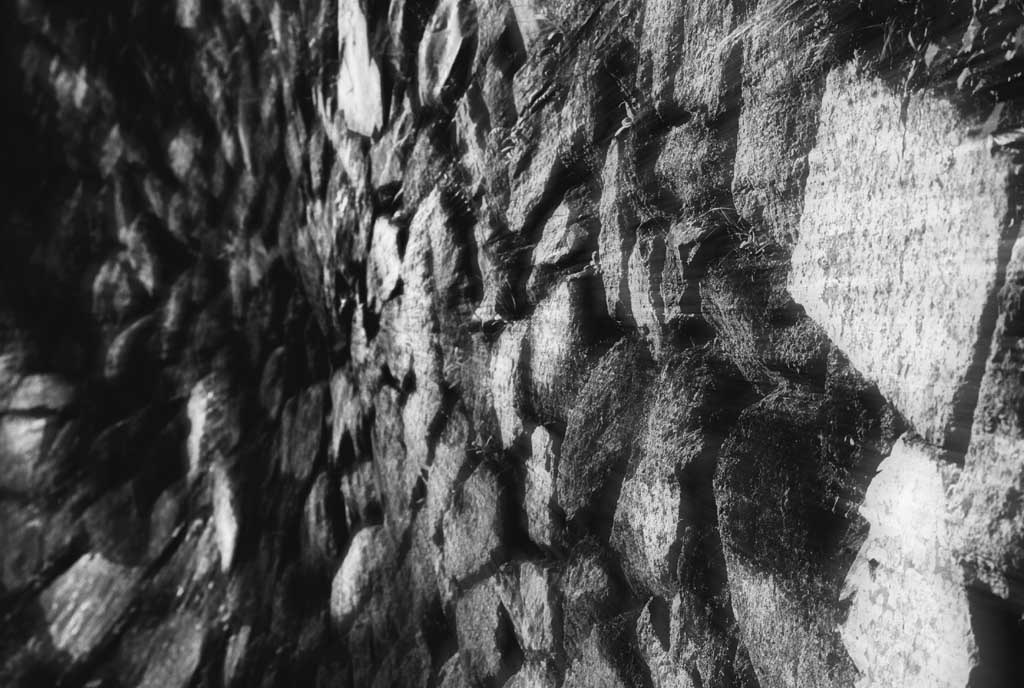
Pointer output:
x,y
634,343
906,575
907,306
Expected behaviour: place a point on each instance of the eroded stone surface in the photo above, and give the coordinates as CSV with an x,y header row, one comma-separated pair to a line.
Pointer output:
x,y
529,593
482,642
905,584
359,92
385,262
899,246
600,431
473,526
451,31
355,579
539,487
83,606
986,522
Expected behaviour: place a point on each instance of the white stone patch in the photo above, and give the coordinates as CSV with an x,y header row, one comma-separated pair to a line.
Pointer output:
x,y
540,487
385,265
225,516
352,584
84,604
898,243
453,24
909,622
359,78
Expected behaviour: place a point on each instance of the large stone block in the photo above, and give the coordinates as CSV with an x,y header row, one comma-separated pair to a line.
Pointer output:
x,y
989,521
782,84
663,494
682,51
617,234
785,489
561,334
482,632
473,528
539,487
600,432
359,92
82,607
359,575
529,593
909,623
25,443
900,243
451,31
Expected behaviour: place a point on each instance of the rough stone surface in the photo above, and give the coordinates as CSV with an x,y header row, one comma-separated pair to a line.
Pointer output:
x,y
359,90
528,592
83,606
489,342
354,581
473,526
539,487
906,305
451,31
600,431
482,641
905,582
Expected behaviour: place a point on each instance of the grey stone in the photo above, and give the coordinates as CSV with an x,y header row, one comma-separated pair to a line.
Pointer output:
x,y
683,51
83,605
590,593
358,575
529,592
359,92
395,474
129,350
214,422
782,85
318,530
25,443
604,661
452,28
780,518
32,539
986,521
39,392
385,264
558,344
662,501
539,487
600,431
452,674
617,235
534,674
174,652
508,371
473,527
664,671
272,383
302,431
480,631
408,664
235,653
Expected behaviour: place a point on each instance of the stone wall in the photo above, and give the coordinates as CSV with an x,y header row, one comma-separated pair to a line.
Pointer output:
x,y
518,343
